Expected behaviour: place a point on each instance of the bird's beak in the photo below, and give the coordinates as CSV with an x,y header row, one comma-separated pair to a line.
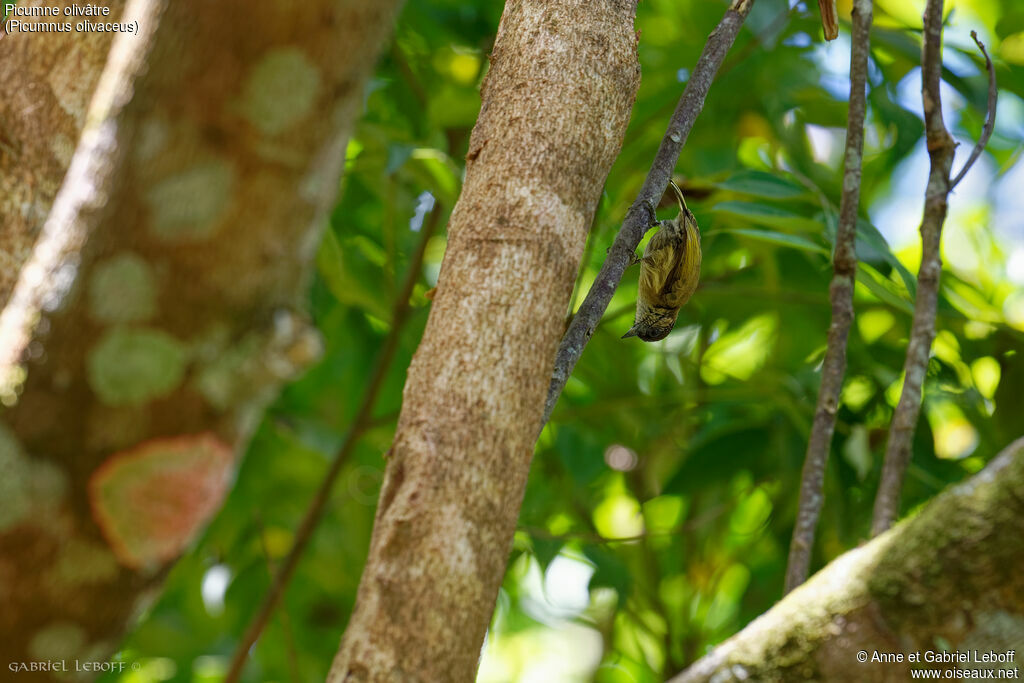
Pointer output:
x,y
631,333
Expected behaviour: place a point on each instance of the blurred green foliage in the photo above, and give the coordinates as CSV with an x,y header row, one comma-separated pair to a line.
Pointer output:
x,y
663,492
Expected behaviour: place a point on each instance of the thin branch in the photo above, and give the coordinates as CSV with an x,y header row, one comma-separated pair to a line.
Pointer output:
x,y
990,119
759,38
940,152
286,622
844,259
641,215
359,425
413,83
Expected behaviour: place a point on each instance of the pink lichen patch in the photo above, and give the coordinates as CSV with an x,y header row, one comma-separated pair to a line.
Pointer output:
x,y
151,501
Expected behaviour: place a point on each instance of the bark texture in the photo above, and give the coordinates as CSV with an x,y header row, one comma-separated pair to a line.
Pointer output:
x,y
941,148
162,304
46,81
950,575
556,102
844,263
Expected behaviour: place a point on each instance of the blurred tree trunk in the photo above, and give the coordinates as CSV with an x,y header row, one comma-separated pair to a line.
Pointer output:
x,y
46,80
162,304
947,578
555,105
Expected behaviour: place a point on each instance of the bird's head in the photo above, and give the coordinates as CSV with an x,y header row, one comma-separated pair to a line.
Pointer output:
x,y
652,327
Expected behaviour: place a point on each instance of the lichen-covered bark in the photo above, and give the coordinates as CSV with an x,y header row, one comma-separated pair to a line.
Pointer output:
x,y
46,80
948,576
162,304
556,102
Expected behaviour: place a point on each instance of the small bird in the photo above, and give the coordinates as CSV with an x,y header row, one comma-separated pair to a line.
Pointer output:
x,y
669,272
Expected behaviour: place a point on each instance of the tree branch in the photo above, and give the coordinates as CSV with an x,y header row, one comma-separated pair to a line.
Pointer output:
x,y
474,392
163,304
362,420
940,152
990,118
950,573
841,292
641,215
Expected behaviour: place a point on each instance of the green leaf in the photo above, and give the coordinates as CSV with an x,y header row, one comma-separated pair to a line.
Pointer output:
x,y
348,288
872,246
435,170
883,288
767,214
610,571
761,184
398,154
546,550
778,238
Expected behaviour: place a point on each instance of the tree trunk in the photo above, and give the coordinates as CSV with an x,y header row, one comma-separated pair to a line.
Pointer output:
x,y
556,102
46,80
948,576
161,306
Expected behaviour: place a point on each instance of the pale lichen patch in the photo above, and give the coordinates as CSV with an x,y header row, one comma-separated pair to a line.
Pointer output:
x,y
62,148
122,289
58,640
14,476
226,379
26,485
130,366
461,555
996,630
67,84
280,91
188,206
152,138
48,483
243,373
83,562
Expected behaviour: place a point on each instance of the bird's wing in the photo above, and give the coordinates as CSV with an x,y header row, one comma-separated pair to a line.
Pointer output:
x,y
687,268
659,266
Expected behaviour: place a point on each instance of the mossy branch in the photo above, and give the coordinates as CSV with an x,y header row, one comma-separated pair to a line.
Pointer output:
x,y
950,573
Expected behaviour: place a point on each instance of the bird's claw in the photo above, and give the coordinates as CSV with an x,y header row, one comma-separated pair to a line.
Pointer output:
x,y
652,209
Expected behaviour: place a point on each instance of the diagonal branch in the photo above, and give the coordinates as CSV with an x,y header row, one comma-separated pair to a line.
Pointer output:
x,y
990,119
841,292
641,215
362,420
940,152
